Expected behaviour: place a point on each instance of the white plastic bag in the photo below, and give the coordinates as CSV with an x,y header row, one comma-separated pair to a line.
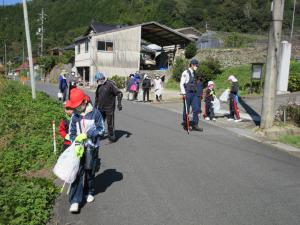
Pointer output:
x,y
59,95
67,165
216,105
224,96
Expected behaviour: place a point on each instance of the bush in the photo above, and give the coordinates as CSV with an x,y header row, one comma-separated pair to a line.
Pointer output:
x,y
26,147
120,81
292,113
179,66
209,69
190,50
294,79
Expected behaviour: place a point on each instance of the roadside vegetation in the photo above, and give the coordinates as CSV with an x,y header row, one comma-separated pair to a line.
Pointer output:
x,y
293,140
26,155
211,69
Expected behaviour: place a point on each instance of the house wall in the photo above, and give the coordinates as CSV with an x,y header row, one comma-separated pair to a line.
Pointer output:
x,y
125,57
83,58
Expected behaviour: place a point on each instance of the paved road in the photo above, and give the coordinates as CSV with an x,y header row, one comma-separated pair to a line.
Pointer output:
x,y
156,174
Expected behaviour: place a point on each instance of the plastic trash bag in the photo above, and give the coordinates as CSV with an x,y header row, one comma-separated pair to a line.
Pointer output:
x,y
216,105
67,165
59,95
224,96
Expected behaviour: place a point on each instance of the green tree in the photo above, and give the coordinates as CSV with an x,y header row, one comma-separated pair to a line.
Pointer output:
x,y
190,50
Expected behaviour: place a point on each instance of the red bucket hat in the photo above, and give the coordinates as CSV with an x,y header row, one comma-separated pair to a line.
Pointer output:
x,y
77,96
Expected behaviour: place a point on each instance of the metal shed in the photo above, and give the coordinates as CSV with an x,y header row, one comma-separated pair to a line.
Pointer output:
x,y
116,49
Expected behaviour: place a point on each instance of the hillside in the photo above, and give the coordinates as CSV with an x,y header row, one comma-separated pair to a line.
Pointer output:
x,y
66,19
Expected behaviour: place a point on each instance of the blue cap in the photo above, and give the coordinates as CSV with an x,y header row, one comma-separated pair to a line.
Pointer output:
x,y
194,62
99,76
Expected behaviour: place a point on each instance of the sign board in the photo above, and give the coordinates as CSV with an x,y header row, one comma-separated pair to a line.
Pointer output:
x,y
257,71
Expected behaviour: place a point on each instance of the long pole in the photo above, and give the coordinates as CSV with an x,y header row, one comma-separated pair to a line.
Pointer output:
x,y
293,20
273,61
29,49
42,30
5,60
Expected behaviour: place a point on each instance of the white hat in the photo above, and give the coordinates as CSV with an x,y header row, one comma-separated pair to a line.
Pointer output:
x,y
232,78
210,83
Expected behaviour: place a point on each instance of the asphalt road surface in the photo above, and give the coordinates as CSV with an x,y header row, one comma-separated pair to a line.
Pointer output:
x,y
156,174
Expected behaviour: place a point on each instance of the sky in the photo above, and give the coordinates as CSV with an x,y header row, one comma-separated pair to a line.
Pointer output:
x,y
10,2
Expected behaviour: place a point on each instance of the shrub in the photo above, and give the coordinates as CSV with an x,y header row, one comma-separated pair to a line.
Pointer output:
x,y
179,66
294,79
120,81
209,69
292,113
25,147
190,50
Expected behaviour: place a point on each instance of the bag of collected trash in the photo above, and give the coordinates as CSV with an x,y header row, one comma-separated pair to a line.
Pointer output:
x,y
59,95
67,165
224,96
216,105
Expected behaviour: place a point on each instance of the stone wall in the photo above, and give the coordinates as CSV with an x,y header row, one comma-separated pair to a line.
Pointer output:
x,y
234,57
55,72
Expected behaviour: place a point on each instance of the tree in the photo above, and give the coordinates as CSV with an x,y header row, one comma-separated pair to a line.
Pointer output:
x,y
190,50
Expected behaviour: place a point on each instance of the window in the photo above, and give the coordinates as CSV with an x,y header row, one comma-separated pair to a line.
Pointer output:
x,y
86,46
109,46
105,46
101,46
78,48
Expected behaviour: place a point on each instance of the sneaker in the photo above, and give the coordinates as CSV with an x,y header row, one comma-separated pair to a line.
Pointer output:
x,y
239,120
196,128
207,118
230,119
90,198
74,208
214,119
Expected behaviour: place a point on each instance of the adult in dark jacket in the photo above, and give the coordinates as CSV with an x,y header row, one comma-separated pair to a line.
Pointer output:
x,y
233,96
146,85
105,102
63,85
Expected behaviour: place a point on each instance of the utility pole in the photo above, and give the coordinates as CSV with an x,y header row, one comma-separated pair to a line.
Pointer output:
x,y
293,20
42,17
273,62
29,49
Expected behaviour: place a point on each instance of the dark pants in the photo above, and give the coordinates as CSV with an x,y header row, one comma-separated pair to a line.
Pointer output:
x,y
85,180
192,100
65,146
110,117
209,109
146,93
234,111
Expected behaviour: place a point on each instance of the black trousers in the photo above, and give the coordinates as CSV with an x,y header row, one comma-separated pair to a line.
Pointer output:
x,y
146,93
110,117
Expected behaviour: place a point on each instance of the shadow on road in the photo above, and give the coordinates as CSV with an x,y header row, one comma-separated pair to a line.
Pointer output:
x,y
106,179
253,114
120,133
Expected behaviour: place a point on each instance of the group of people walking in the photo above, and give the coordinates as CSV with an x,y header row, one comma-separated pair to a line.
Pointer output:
x,y
191,87
84,124
135,84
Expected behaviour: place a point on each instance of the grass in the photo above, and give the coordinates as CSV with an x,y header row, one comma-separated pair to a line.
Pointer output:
x,y
242,73
172,85
293,140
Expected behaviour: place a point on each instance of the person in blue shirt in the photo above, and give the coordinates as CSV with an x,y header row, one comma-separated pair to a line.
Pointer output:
x,y
63,85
